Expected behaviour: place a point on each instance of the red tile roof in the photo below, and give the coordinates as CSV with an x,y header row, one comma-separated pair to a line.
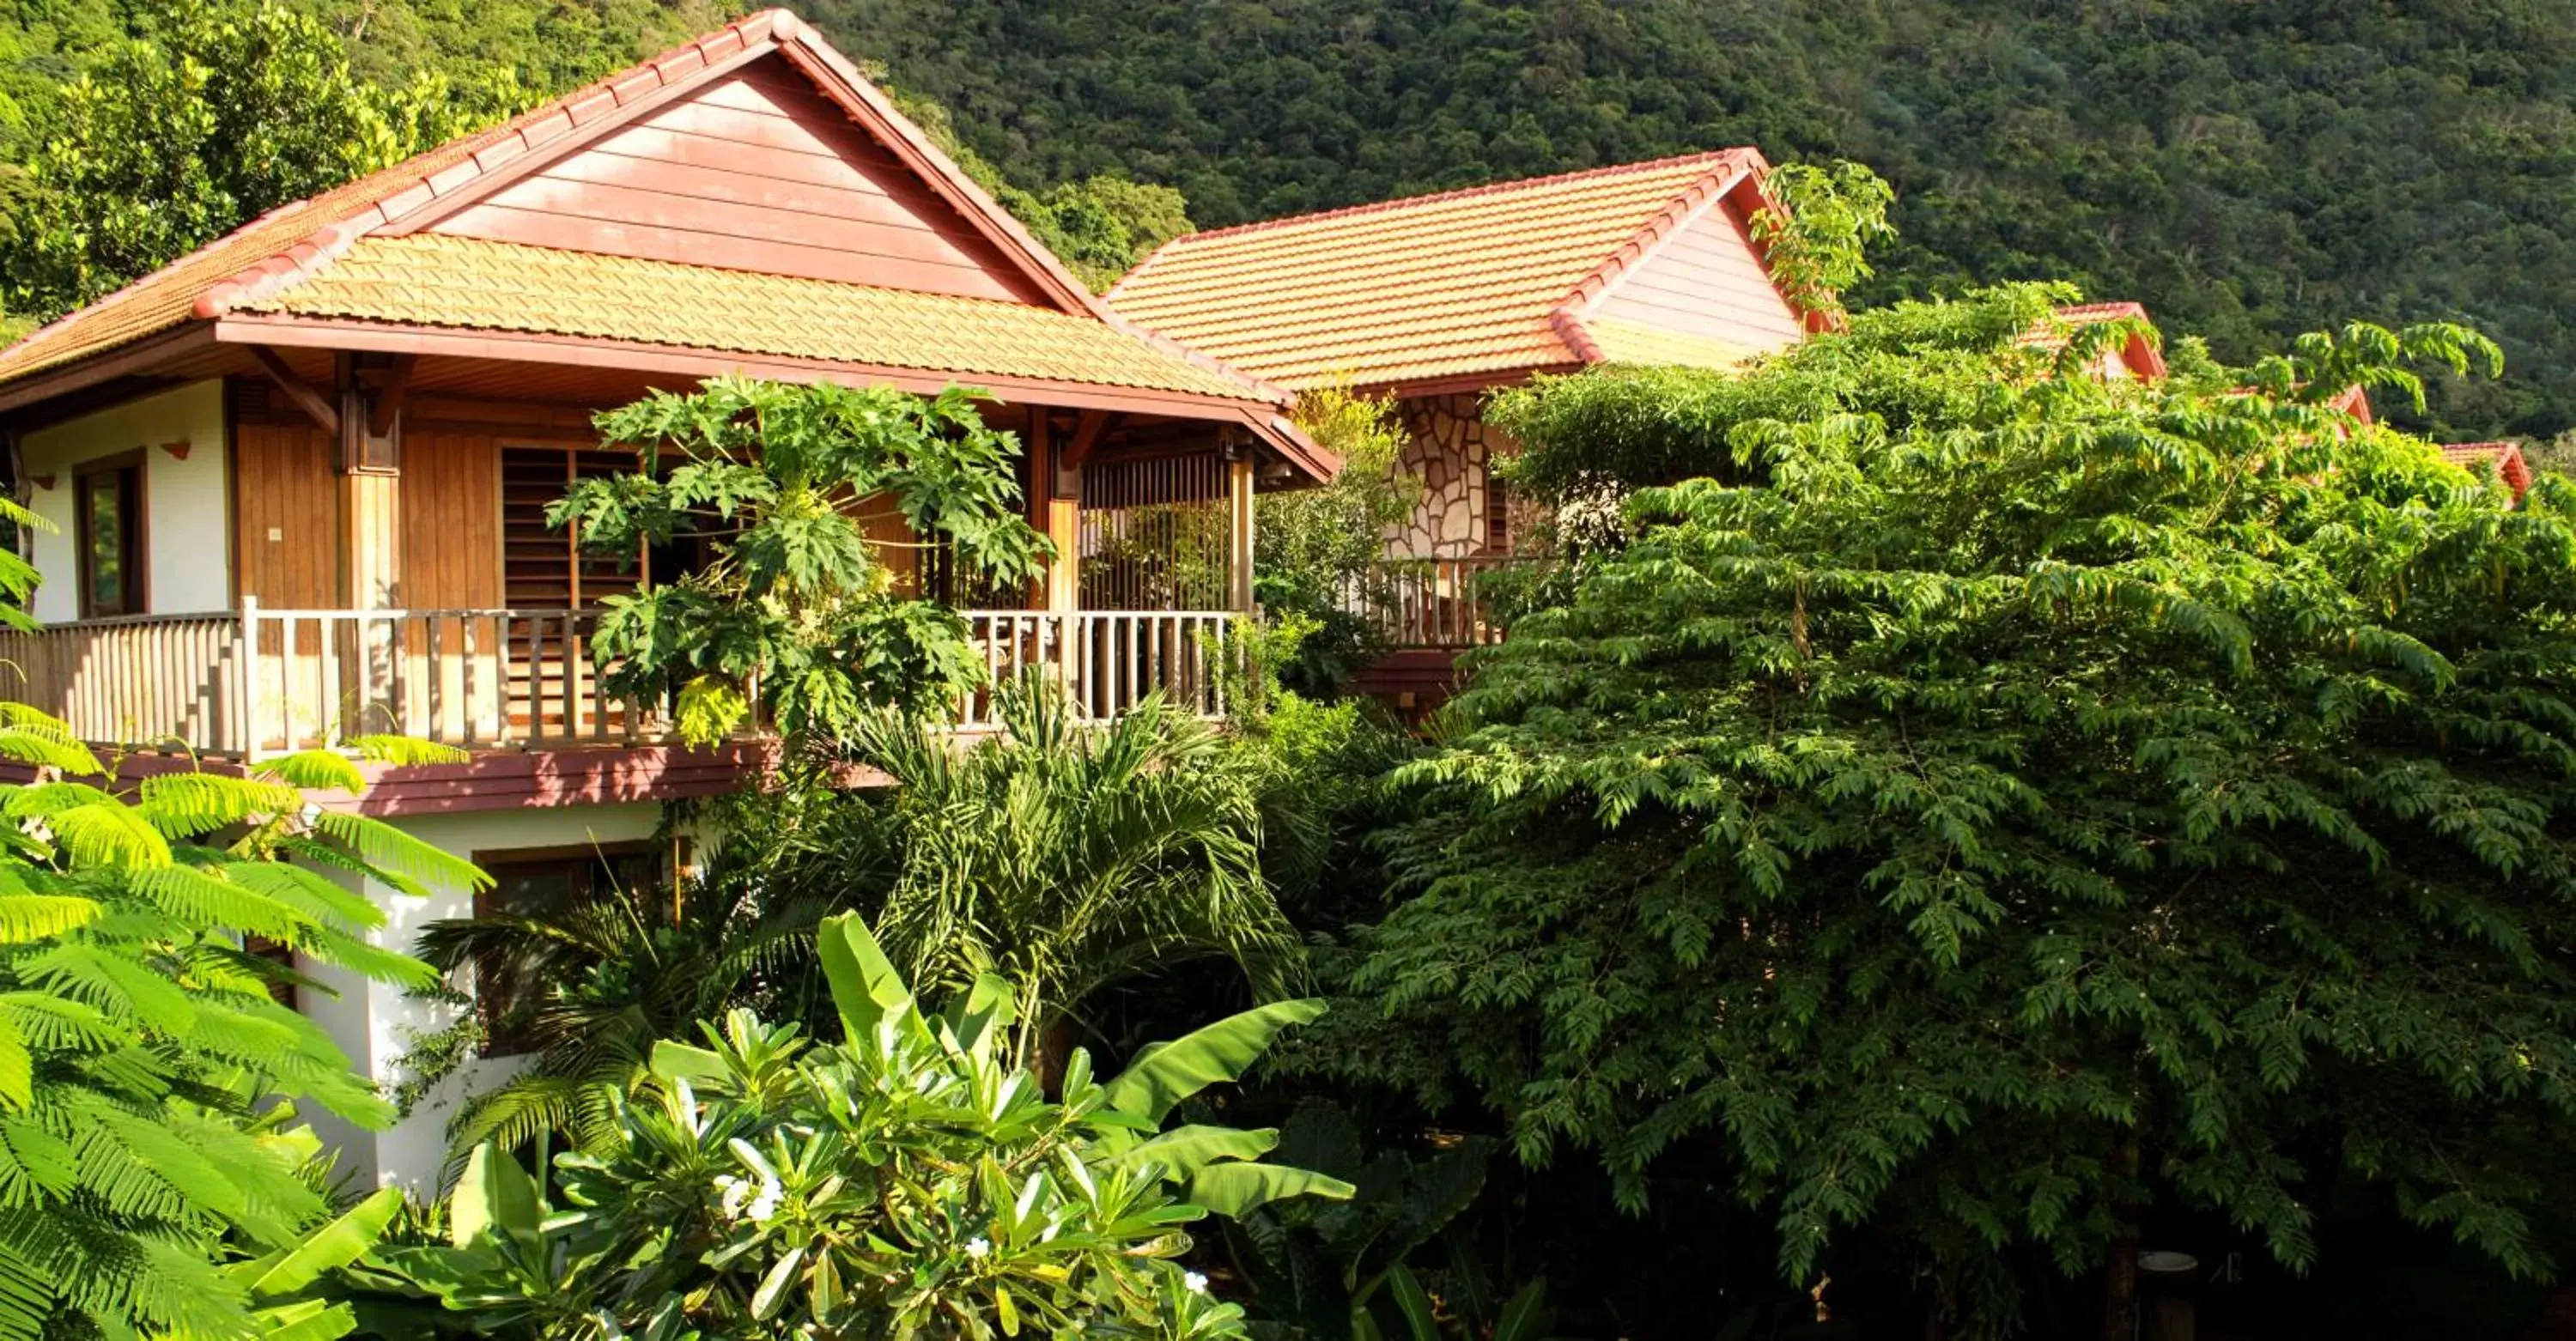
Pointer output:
x,y
1487,281
2138,357
2503,460
263,266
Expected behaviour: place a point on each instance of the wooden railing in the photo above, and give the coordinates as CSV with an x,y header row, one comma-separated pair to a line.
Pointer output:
x,y
261,681
1109,660
158,681
1429,603
473,678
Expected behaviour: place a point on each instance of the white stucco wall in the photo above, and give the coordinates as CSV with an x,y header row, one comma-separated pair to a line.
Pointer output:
x,y
374,1023
187,515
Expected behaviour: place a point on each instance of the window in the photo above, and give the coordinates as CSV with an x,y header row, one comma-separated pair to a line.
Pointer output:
x,y
546,883
1498,514
108,523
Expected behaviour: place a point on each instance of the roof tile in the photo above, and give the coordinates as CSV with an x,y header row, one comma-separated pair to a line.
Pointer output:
x,y
1431,287
2505,459
429,279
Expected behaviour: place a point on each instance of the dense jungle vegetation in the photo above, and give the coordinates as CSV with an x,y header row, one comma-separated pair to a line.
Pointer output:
x,y
1943,822
2248,171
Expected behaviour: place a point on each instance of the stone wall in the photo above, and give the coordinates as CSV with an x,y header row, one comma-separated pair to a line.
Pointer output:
x,y
1450,446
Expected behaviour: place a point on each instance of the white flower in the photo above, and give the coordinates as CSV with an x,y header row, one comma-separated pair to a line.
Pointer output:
x,y
1196,1282
976,1248
741,1204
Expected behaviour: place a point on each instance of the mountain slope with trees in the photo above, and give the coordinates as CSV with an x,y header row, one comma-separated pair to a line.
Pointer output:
x,y
2246,170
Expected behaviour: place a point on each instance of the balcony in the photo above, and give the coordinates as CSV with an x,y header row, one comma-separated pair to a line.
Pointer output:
x,y
1431,604
258,682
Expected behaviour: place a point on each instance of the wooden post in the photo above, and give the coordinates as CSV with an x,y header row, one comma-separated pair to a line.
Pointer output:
x,y
1055,508
1064,576
1238,491
370,552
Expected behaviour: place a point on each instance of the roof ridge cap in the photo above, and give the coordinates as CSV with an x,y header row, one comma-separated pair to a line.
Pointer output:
x,y
1455,193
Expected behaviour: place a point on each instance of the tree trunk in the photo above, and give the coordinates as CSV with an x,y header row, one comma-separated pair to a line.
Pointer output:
x,y
2120,1266
1055,1048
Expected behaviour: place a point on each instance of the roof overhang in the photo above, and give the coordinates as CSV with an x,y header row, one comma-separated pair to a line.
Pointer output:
x,y
1266,422
141,358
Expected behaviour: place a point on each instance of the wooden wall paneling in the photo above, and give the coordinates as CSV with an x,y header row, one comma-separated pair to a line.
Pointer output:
x,y
286,516
1706,280
287,537
757,171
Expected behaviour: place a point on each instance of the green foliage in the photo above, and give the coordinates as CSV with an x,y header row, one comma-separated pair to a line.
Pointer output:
x,y
1318,551
1817,234
794,616
167,142
905,1181
1066,855
1100,227
1340,1268
147,1076
2041,803
593,985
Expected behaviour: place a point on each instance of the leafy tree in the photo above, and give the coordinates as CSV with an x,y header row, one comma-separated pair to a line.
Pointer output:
x,y
1816,235
2039,808
796,617
1100,226
170,142
905,1181
147,1075
1319,554
1067,856
1340,1268
2202,156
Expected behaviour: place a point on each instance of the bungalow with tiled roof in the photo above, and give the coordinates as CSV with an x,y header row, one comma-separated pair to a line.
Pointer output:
x,y
2135,358
2493,460
1437,300
298,478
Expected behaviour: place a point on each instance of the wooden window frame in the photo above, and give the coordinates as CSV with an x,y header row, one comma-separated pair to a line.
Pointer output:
x,y
137,592
488,1009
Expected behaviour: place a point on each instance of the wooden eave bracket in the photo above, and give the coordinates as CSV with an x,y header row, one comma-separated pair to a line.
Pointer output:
x,y
1087,433
306,397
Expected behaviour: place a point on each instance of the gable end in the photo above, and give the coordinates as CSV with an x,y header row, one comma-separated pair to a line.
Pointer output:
x,y
755,170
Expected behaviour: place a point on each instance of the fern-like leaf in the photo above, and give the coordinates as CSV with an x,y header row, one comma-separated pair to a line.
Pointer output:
x,y
314,770
387,848
41,741
37,917
404,751
109,833
184,805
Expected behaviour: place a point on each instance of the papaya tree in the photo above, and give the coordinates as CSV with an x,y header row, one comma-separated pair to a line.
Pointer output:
x,y
791,612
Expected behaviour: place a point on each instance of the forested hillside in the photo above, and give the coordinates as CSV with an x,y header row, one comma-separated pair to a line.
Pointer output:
x,y
2248,170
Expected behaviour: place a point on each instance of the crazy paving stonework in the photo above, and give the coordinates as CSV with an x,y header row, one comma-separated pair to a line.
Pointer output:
x,y
1449,448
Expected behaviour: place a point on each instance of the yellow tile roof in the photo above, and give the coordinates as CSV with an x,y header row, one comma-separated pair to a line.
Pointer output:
x,y
1452,285
1636,342
319,256
428,279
